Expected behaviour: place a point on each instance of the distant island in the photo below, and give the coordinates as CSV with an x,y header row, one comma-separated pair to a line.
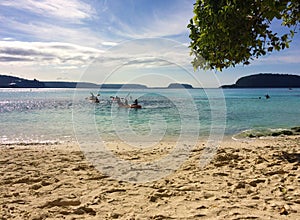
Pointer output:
x,y
180,86
16,82
266,80
123,86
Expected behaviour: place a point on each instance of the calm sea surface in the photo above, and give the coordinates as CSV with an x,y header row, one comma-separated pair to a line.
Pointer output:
x,y
63,115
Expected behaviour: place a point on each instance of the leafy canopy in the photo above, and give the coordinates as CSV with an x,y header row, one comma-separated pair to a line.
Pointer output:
x,y
229,32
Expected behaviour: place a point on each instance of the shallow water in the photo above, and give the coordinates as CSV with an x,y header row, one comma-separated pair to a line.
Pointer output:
x,y
60,115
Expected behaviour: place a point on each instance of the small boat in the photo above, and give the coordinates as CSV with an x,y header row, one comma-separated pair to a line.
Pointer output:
x,y
121,105
135,106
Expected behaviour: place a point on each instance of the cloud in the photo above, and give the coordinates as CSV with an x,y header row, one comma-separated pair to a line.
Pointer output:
x,y
289,56
71,10
43,37
43,31
8,38
49,20
97,24
108,43
13,59
166,21
147,62
47,53
139,55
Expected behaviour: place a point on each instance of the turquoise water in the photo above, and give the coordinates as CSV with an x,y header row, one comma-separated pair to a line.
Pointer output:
x,y
62,115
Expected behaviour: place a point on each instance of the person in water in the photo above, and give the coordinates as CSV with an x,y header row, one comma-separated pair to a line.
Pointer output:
x,y
135,102
119,101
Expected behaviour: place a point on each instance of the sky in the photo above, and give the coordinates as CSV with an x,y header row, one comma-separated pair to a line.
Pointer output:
x,y
114,41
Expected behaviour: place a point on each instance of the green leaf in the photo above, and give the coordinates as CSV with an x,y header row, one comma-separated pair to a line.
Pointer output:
x,y
230,32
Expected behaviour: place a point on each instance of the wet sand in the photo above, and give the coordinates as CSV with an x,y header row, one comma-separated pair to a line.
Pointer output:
x,y
245,180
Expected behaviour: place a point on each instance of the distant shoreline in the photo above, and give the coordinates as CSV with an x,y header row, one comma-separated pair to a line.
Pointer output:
x,y
255,81
16,82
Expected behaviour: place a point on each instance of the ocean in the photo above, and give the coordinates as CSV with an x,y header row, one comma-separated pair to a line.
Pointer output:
x,y
30,116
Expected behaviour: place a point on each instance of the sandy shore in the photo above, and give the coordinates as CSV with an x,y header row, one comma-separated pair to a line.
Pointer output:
x,y
245,180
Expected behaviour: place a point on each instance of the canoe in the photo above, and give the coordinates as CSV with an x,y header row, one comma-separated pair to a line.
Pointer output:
x,y
121,105
135,106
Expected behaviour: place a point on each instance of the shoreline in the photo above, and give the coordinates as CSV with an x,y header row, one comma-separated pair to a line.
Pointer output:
x,y
242,135
251,179
200,139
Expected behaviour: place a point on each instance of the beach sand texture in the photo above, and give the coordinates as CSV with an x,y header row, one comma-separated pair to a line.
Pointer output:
x,y
246,180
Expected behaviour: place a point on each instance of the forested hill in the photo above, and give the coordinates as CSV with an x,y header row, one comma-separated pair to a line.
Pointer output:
x,y
16,82
267,80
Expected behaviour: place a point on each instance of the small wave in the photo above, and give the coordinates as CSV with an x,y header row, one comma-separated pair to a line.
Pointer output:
x,y
30,143
266,132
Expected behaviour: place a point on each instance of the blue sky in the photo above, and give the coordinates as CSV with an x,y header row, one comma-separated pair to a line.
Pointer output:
x,y
115,41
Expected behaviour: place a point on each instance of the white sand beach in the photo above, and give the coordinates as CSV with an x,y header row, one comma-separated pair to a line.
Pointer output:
x,y
257,179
